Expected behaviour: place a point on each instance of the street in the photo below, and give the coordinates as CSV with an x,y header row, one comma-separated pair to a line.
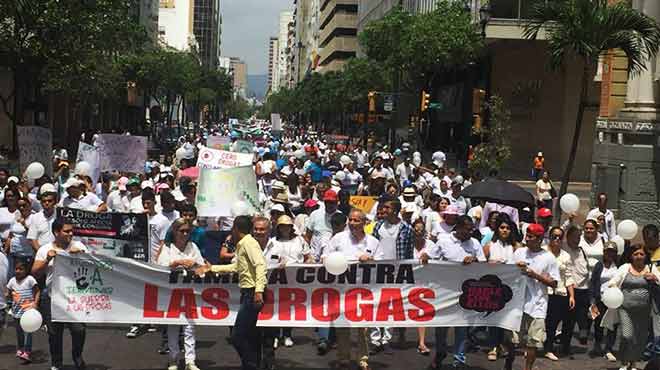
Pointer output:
x,y
107,348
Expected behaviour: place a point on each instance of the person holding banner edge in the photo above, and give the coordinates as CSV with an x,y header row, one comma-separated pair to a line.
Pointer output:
x,y
43,265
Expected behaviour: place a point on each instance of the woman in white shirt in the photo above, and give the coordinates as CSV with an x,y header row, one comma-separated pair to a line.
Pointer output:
x,y
181,254
286,248
422,244
592,242
293,189
543,190
500,250
19,245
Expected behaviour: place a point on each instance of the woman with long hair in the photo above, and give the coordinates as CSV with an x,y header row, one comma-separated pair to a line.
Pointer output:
x,y
422,242
500,250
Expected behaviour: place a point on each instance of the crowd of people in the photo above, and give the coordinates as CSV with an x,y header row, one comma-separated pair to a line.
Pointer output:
x,y
305,185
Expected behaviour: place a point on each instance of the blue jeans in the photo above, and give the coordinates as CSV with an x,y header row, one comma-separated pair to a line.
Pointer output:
x,y
327,335
460,334
245,336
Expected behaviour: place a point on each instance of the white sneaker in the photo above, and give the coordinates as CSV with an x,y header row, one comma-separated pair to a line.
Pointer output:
x,y
288,342
610,357
551,356
133,332
173,367
275,343
191,366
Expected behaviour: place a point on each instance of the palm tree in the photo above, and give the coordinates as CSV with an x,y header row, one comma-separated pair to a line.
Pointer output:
x,y
586,29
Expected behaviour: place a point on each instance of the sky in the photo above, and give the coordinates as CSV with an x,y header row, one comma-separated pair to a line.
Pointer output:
x,y
246,27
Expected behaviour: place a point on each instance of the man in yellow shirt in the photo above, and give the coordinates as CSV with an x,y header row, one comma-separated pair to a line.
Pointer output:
x,y
250,265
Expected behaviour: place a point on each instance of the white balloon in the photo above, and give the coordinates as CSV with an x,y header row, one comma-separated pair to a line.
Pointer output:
x,y
240,208
627,229
83,169
612,298
620,243
335,263
31,320
34,170
569,203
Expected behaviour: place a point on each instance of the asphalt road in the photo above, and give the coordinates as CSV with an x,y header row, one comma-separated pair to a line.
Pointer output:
x,y
107,348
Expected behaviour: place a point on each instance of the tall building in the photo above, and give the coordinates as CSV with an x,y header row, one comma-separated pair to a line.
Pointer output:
x,y
175,28
304,55
225,64
192,25
338,33
238,71
147,14
286,18
207,25
273,65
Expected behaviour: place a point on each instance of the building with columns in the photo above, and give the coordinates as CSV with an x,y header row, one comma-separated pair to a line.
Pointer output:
x,y
626,155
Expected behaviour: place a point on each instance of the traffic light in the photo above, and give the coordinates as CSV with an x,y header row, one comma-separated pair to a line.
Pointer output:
x,y
372,101
425,101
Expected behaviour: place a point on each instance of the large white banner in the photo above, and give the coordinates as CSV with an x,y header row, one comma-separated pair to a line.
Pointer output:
x,y
212,158
219,189
122,152
35,144
90,154
104,289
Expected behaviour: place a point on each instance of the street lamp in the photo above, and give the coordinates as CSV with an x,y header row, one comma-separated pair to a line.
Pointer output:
x,y
484,17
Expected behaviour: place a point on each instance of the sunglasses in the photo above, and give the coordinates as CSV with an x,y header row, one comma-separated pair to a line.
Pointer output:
x,y
555,237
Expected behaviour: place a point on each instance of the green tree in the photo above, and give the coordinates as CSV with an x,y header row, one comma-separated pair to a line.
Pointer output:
x,y
419,48
495,147
66,46
583,30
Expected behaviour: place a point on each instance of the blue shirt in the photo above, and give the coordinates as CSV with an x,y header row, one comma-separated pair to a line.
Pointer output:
x,y
316,171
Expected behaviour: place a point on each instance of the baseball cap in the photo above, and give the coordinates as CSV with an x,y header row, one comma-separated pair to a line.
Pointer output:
x,y
121,183
610,245
544,212
13,179
311,203
535,229
147,184
47,188
330,196
133,181
277,207
72,182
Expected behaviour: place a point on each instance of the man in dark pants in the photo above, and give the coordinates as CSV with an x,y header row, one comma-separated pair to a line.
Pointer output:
x,y
43,265
581,273
251,268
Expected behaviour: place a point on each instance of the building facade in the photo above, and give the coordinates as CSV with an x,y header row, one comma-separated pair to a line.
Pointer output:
x,y
338,33
305,49
207,27
175,26
285,23
238,71
273,68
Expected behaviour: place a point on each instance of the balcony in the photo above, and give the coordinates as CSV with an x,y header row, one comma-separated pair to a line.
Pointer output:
x,y
507,17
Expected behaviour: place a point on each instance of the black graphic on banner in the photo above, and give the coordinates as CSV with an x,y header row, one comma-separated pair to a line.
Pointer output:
x,y
488,294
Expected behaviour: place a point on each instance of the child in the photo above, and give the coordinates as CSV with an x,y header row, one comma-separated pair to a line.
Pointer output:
x,y
24,293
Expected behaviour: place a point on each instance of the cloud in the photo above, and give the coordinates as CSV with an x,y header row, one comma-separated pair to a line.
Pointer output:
x,y
246,27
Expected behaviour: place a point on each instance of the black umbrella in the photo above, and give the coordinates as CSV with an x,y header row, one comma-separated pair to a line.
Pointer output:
x,y
499,191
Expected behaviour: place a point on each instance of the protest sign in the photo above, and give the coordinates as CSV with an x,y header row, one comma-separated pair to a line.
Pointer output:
x,y
211,158
363,203
35,144
116,234
90,154
276,122
243,146
218,142
219,189
122,152
386,293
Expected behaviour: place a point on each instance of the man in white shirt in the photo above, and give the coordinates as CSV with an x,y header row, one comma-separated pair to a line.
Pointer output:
x,y
354,244
43,265
610,225
460,247
77,198
118,200
404,171
541,269
39,233
319,230
457,200
160,223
